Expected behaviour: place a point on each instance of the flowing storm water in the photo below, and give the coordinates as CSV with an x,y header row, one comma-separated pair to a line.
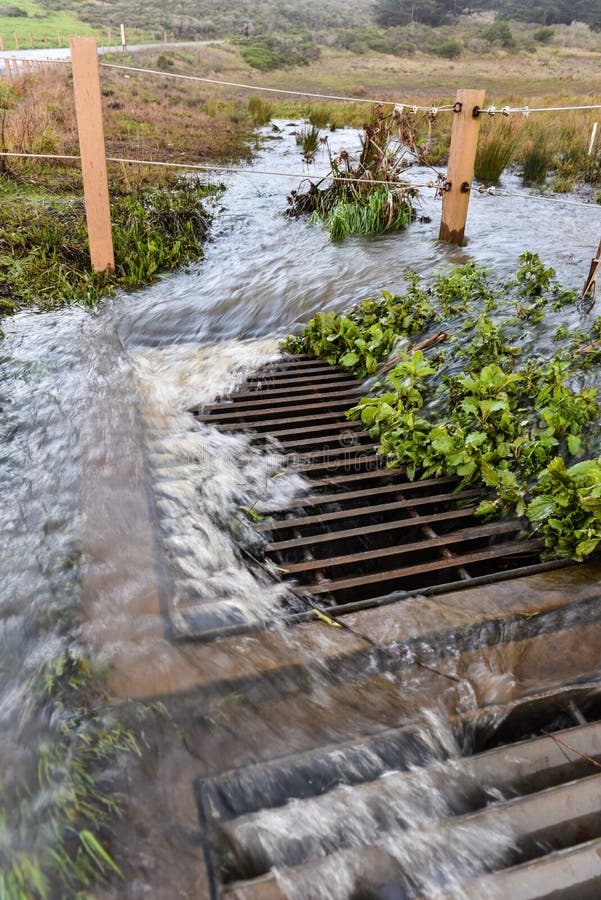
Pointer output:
x,y
111,493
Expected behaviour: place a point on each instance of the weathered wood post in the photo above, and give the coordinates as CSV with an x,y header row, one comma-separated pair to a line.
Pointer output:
x,y
31,40
462,156
123,41
88,109
1,43
16,40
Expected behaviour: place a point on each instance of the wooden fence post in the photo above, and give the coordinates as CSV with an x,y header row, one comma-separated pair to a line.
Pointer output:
x,y
88,109
16,40
2,43
123,41
462,156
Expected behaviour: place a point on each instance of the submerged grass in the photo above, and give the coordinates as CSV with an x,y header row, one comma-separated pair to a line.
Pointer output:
x,y
56,810
44,256
380,211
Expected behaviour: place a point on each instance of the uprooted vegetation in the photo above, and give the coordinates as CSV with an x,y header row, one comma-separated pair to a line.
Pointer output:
x,y
502,398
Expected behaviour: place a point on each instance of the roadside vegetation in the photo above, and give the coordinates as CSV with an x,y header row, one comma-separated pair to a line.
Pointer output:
x,y
505,398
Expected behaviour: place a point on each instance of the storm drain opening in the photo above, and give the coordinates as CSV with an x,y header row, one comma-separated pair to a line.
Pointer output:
x,y
363,534
531,771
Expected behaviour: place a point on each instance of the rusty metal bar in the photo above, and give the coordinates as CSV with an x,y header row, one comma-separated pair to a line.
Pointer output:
x,y
463,559
466,535
283,404
394,488
335,418
327,403
529,766
301,388
365,530
305,521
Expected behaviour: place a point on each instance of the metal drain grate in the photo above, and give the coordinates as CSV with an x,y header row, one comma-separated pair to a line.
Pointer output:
x,y
537,776
363,535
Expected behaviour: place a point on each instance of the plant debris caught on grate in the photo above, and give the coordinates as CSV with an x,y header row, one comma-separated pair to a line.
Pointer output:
x,y
363,535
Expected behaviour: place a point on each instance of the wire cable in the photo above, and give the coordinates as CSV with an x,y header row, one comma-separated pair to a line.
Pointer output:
x,y
303,176
259,89
496,192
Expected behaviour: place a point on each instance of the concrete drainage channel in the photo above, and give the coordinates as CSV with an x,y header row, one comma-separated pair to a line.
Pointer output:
x,y
364,535
537,776
334,818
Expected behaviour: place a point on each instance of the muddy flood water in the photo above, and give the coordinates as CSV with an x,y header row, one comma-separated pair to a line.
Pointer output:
x,y
114,502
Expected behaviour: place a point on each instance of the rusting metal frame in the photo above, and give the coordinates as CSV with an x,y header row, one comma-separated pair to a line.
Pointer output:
x,y
335,465
400,747
305,521
301,388
358,437
333,428
392,488
465,535
340,584
298,379
231,799
280,405
366,530
382,472
256,414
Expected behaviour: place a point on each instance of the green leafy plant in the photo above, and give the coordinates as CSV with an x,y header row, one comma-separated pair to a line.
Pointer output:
x,y
566,507
479,408
44,257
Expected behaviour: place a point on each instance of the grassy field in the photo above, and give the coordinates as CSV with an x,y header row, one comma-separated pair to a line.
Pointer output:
x,y
39,26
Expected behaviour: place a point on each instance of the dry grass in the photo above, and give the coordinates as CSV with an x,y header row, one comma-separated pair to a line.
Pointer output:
x,y
160,118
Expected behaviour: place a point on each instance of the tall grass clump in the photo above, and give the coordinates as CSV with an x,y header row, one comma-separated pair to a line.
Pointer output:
x,y
381,211
307,139
320,115
537,159
496,149
353,199
260,110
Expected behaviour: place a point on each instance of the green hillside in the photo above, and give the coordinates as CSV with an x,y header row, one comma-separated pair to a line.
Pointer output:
x,y
197,19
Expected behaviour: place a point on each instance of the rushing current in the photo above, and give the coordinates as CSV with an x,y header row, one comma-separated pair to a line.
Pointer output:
x,y
108,492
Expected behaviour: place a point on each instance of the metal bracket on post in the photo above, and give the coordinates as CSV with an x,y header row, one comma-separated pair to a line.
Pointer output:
x,y
88,109
462,156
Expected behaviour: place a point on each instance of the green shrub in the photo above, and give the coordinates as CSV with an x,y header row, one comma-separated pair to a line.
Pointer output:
x,y
268,53
14,12
449,49
500,33
44,256
543,35
483,407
